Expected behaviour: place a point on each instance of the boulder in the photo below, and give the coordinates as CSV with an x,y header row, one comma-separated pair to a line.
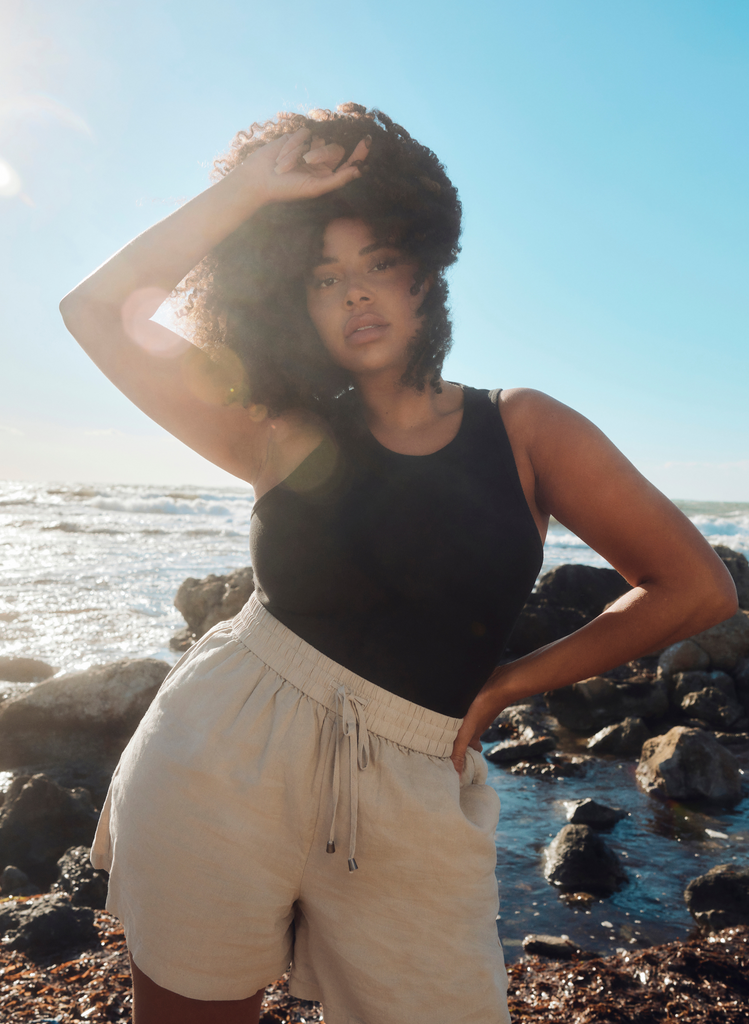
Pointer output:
x,y
206,601
14,882
590,812
579,859
738,566
85,886
720,898
46,926
88,715
510,751
39,821
583,587
541,623
741,682
596,702
624,739
727,643
692,682
712,706
689,764
24,670
685,656
556,947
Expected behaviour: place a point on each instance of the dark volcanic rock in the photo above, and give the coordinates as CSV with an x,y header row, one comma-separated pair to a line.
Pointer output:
x,y
689,764
39,821
590,812
88,715
24,670
727,643
555,947
596,702
738,567
582,587
720,898
713,706
579,859
541,623
685,656
509,751
625,738
86,887
212,599
14,882
46,926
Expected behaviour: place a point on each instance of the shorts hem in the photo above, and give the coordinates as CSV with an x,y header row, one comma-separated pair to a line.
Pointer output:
x,y
183,983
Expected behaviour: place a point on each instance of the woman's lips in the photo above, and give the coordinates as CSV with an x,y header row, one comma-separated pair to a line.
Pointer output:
x,y
364,327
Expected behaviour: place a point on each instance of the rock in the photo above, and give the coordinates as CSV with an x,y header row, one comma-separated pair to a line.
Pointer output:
x,y
88,715
582,587
727,643
212,599
596,702
182,640
732,739
541,623
720,898
688,764
685,656
509,751
590,812
556,947
39,821
14,882
85,886
579,859
24,670
625,738
692,682
519,721
741,682
738,567
711,705
46,926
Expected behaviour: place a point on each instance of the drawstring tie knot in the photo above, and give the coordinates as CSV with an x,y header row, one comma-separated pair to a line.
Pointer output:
x,y
351,723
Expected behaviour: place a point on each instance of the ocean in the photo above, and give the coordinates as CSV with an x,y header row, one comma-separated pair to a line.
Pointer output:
x,y
89,572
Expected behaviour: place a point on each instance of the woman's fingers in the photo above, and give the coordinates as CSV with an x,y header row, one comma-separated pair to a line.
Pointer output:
x,y
329,155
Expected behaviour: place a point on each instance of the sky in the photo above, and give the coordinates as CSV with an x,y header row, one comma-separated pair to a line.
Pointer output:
x,y
600,149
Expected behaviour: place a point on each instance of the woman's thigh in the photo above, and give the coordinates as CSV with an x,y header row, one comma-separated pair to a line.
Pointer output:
x,y
153,1004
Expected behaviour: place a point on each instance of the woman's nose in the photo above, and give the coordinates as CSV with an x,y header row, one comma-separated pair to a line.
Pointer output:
x,y
355,297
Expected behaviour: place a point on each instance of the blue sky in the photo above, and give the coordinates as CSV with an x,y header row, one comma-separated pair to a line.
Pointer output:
x,y
600,149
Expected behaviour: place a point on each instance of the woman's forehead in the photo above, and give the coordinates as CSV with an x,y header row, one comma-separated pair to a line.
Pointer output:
x,y
349,236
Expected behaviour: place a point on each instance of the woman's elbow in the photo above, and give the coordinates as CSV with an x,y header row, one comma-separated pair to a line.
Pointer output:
x,y
717,601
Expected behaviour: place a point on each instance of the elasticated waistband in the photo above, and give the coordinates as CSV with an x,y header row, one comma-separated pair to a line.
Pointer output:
x,y
388,715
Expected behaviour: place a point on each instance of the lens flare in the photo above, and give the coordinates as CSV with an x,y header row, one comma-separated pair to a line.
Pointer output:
x,y
10,181
154,337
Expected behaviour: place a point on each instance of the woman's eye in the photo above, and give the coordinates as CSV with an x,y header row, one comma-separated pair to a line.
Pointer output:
x,y
325,282
384,264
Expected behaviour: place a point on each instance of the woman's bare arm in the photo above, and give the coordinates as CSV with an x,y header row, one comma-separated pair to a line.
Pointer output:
x,y
680,586
172,381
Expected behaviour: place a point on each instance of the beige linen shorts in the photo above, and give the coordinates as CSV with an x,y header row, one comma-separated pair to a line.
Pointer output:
x,y
260,756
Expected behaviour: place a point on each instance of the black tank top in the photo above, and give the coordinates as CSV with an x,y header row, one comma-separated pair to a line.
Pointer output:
x,y
409,570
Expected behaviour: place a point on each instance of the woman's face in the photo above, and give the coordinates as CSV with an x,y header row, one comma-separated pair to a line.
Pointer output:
x,y
359,298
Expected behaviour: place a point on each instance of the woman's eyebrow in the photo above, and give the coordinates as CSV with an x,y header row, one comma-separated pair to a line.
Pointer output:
x,y
327,260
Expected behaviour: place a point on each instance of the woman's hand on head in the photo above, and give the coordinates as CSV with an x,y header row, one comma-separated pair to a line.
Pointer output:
x,y
300,166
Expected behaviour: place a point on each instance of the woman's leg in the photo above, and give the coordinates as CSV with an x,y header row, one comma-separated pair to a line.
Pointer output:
x,y
153,1004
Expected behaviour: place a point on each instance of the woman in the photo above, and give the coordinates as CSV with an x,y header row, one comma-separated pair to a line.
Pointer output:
x,y
397,531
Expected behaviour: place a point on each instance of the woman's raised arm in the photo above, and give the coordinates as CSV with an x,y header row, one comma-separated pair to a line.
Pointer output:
x,y
172,381
680,586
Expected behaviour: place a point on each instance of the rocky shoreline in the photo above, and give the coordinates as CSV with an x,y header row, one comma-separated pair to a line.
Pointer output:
x,y
682,713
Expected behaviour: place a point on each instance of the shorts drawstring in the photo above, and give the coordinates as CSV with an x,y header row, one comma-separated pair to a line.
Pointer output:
x,y
354,725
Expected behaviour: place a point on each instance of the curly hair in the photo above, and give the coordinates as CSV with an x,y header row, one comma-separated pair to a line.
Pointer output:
x,y
248,294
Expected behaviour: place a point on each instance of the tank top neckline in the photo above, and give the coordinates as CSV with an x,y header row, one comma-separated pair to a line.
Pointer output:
x,y
372,440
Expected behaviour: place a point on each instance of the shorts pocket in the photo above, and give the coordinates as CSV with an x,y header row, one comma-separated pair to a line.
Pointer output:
x,y
478,801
